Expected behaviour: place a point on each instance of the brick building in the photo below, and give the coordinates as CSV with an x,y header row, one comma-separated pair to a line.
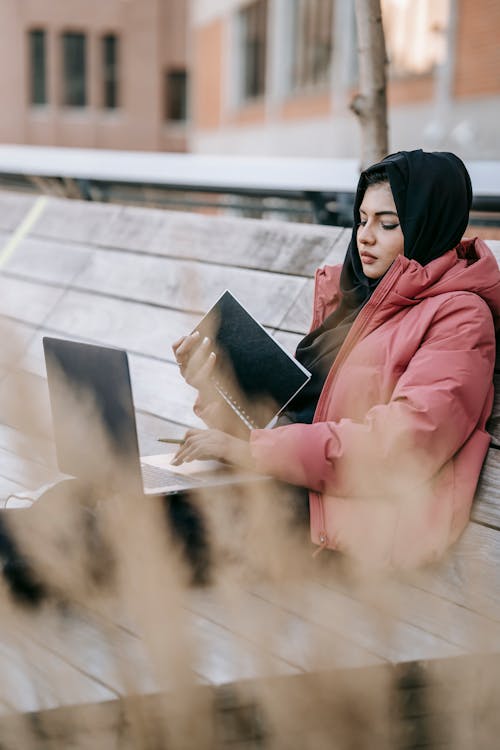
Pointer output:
x,y
269,77
94,73
276,76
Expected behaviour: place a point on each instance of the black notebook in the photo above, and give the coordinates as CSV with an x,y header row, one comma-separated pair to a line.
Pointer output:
x,y
253,373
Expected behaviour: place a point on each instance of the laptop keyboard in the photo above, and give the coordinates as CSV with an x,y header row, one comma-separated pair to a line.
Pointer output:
x,y
152,477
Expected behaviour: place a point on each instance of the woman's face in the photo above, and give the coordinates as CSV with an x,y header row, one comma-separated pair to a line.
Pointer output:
x,y
380,238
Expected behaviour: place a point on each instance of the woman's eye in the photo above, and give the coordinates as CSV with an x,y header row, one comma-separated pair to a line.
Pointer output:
x,y
362,223
390,226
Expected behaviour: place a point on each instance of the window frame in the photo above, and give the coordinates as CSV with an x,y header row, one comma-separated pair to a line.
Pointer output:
x,y
111,79
31,32
303,49
169,75
65,80
246,94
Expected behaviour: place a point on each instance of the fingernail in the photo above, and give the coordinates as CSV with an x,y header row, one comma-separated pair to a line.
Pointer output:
x,y
212,355
206,340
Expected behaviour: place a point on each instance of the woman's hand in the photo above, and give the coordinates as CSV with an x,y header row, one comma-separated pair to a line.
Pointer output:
x,y
214,444
196,361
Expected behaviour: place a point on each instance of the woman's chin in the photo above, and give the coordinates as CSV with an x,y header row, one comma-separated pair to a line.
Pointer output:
x,y
371,272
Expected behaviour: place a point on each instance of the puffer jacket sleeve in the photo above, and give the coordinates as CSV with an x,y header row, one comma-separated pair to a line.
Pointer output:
x,y
438,401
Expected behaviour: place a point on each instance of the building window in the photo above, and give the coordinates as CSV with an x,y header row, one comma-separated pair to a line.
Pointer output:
x,y
312,50
253,34
110,52
37,67
176,95
74,73
415,33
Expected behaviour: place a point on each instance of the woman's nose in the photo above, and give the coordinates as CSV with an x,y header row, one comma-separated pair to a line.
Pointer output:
x,y
365,234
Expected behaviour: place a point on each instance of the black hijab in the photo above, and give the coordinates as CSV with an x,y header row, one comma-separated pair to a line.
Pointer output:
x,y
433,195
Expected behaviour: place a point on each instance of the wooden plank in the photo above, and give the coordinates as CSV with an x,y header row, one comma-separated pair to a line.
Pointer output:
x,y
102,651
266,245
150,428
75,221
281,633
35,679
27,301
48,260
494,420
15,338
7,489
450,621
25,445
157,386
486,508
184,285
24,472
288,340
188,285
494,246
134,326
13,209
337,254
468,575
342,615
24,403
297,314
224,657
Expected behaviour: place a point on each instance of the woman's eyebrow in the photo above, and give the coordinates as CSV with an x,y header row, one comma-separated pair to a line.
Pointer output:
x,y
380,213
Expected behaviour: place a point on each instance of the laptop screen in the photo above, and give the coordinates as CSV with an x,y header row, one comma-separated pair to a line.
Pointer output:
x,y
93,413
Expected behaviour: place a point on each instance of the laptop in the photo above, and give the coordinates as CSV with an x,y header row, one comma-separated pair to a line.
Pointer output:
x,y
95,429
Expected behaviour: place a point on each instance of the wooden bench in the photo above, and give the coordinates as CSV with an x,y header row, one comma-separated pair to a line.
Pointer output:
x,y
138,279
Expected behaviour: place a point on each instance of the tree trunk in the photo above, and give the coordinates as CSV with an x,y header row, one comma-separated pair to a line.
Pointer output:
x,y
370,104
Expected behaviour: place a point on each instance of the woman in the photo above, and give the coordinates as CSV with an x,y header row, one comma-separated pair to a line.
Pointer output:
x,y
389,437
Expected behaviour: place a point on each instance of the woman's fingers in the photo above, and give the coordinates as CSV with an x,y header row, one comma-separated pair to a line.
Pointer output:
x,y
195,360
198,368
205,444
201,445
183,347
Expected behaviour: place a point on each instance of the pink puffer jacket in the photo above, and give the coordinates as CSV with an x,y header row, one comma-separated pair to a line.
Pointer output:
x,y
398,439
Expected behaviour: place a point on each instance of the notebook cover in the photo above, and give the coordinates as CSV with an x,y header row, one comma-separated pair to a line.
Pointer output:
x,y
253,372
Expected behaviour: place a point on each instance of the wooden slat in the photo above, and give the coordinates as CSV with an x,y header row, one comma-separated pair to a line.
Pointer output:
x,y
494,246
468,575
35,679
24,472
76,221
186,285
494,420
15,338
271,246
274,246
13,209
454,623
277,632
342,618
27,301
183,285
297,314
486,507
44,260
8,488
136,327
157,386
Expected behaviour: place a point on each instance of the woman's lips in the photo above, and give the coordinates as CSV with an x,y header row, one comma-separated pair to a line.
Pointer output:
x,y
367,258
